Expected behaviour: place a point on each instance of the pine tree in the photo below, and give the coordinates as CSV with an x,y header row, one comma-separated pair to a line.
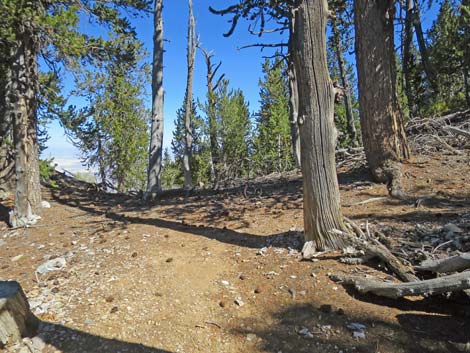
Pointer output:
x,y
272,142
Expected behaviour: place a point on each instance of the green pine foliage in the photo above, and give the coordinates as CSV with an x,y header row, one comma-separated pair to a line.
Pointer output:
x,y
449,42
234,129
200,154
272,150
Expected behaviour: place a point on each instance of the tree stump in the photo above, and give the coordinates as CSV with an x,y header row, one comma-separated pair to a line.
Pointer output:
x,y
16,319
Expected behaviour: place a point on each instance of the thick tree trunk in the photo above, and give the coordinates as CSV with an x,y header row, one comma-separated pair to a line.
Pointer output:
x,y
345,83
21,108
293,96
383,132
322,213
156,134
188,133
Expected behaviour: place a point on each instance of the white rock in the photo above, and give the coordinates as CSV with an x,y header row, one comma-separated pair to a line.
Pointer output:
x,y
17,257
52,265
45,204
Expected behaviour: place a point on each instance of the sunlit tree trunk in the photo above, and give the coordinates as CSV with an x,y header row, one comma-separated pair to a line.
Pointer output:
x,y
322,212
188,133
21,108
156,133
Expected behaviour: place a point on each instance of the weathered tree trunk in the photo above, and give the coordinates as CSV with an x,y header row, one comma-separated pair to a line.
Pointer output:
x,y
188,133
423,50
345,83
455,263
322,213
156,134
293,95
21,108
16,319
7,159
383,132
407,56
211,87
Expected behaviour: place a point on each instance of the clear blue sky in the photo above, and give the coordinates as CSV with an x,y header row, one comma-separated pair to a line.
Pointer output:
x,y
241,67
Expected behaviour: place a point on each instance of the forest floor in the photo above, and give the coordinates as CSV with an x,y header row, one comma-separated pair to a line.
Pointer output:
x,y
221,272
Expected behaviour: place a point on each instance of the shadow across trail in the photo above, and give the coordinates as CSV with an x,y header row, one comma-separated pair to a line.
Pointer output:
x,y
100,205
69,340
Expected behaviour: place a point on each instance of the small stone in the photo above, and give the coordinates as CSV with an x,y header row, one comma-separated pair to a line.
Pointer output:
x,y
251,337
45,204
88,322
38,343
52,265
258,290
292,292
222,304
242,277
114,309
55,290
224,283
170,259
17,258
239,301
109,299
134,254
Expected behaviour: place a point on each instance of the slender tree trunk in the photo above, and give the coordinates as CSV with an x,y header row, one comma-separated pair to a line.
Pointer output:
x,y
423,50
156,134
214,145
293,95
101,165
383,133
21,108
345,83
465,25
188,133
407,56
322,212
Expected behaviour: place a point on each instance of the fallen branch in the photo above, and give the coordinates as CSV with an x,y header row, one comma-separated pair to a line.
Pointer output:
x,y
451,283
373,247
451,264
458,131
373,199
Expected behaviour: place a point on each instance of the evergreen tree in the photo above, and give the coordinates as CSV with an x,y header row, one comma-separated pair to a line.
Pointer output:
x,y
199,148
447,51
272,142
233,120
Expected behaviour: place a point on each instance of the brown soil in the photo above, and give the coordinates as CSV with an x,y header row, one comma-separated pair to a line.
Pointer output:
x,y
188,275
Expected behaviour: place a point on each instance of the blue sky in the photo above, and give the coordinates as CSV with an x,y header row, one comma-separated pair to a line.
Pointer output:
x,y
241,67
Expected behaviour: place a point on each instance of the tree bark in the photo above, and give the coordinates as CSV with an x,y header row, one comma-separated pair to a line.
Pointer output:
x,y
322,213
7,159
21,108
345,84
455,263
383,132
156,134
293,95
188,133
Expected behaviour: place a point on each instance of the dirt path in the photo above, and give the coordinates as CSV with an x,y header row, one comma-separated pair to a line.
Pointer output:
x,y
220,273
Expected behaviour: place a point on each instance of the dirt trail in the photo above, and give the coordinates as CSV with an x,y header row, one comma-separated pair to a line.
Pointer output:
x,y
220,273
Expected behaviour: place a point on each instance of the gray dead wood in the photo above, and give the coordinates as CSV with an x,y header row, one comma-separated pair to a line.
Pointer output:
x,y
458,131
16,319
455,263
372,246
451,283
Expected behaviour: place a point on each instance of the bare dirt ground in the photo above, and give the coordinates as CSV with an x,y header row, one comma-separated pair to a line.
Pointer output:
x,y
188,275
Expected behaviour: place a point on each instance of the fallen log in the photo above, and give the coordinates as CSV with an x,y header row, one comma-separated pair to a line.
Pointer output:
x,y
451,283
16,319
455,263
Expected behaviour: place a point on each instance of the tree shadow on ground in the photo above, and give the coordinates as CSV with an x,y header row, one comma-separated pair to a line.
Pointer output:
x,y
69,340
81,199
330,333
